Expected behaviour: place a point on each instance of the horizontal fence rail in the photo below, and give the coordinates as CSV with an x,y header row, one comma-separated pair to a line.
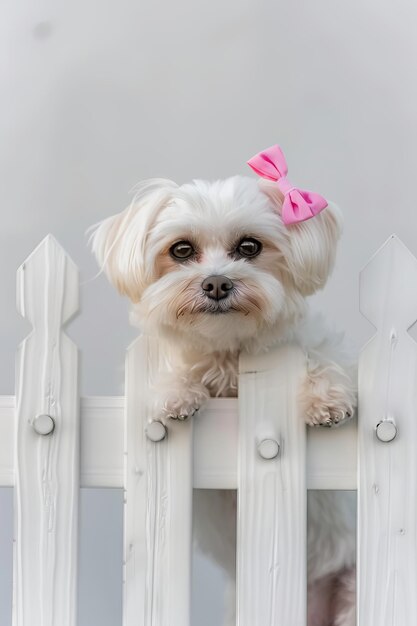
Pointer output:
x,y
331,453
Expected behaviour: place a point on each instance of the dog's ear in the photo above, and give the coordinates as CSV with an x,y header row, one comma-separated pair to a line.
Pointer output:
x,y
312,244
119,242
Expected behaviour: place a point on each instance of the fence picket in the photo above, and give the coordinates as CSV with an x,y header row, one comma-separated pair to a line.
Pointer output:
x,y
271,551
387,519
47,466
158,505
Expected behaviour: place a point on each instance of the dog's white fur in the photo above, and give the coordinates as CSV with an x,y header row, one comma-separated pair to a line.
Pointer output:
x,y
203,337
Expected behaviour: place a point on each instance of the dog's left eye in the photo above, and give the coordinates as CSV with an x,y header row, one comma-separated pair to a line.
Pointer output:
x,y
182,250
249,247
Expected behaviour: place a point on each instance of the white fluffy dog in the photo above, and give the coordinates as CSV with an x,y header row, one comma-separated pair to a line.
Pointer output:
x,y
212,269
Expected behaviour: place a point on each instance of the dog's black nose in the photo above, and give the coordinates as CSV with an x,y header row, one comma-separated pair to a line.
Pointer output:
x,y
217,287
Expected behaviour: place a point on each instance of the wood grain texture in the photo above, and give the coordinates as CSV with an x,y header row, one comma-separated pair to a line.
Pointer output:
x,y
158,504
271,552
387,519
47,467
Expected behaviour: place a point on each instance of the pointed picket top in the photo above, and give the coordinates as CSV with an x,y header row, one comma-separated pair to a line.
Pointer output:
x,y
387,436
48,270
46,458
388,286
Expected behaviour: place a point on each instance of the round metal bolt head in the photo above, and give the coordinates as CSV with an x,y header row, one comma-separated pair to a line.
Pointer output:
x,y
386,431
268,448
156,431
43,424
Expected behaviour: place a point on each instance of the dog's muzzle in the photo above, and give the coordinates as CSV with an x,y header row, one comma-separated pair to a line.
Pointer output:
x,y
217,287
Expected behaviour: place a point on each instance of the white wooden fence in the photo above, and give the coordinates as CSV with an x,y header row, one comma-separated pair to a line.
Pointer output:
x,y
51,443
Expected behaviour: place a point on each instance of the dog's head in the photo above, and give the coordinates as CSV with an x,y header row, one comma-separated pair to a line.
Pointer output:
x,y
214,261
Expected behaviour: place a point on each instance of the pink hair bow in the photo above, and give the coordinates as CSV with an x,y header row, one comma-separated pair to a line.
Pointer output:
x,y
298,205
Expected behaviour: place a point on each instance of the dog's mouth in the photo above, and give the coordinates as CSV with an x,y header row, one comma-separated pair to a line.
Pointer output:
x,y
197,305
223,307
217,309
209,308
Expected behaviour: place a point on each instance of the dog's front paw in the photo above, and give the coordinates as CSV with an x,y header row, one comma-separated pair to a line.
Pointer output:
x,y
178,412
324,415
183,402
327,402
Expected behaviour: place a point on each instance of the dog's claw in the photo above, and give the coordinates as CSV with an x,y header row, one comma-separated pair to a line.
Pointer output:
x,y
335,420
179,418
182,417
344,417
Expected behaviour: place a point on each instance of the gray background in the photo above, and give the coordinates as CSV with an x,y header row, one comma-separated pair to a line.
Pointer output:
x,y
96,95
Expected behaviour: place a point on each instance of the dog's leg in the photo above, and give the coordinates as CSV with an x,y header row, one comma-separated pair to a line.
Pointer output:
x,y
345,614
328,393
319,604
190,379
331,543
331,537
178,396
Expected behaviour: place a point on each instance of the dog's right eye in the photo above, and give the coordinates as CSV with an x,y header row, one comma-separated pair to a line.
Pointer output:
x,y
182,250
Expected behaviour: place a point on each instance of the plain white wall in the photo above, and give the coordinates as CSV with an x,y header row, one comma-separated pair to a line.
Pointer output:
x,y
96,95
